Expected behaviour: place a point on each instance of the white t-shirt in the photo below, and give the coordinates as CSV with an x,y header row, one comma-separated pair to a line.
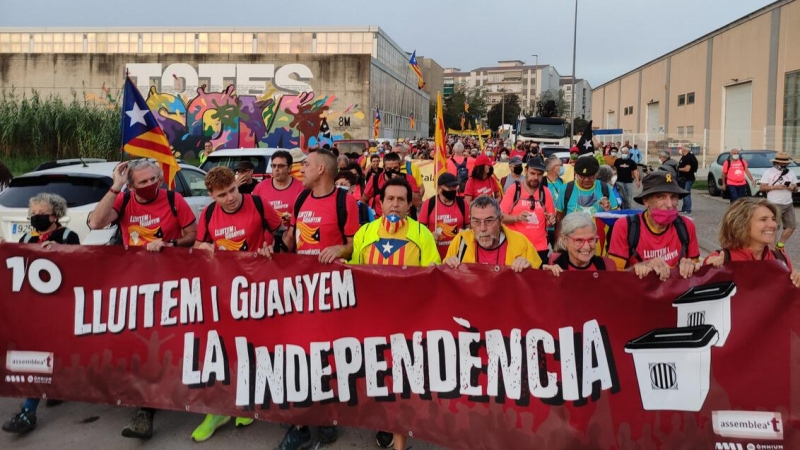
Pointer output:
x,y
772,176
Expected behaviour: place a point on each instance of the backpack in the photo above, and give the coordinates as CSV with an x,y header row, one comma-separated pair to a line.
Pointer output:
x,y
341,207
462,173
563,261
779,255
26,239
518,194
571,186
117,239
459,202
364,215
634,230
256,202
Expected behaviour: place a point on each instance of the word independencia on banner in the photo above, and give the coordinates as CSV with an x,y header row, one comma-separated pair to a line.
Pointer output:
x,y
479,357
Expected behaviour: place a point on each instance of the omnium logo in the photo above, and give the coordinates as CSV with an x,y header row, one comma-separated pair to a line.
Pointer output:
x,y
663,376
748,424
29,362
728,446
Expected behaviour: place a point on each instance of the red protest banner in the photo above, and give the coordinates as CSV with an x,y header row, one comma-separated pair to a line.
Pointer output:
x,y
475,358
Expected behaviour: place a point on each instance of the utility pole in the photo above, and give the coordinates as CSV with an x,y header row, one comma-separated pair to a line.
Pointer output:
x,y
574,46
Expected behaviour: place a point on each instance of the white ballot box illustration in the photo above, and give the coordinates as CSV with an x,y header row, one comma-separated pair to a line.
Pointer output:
x,y
707,305
673,366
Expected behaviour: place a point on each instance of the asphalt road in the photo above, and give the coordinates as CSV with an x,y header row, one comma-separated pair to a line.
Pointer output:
x,y
84,426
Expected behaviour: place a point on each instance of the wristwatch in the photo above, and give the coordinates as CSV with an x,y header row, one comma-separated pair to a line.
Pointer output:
x,y
174,242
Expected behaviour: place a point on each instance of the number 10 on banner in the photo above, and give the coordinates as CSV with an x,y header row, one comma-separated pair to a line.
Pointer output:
x,y
34,273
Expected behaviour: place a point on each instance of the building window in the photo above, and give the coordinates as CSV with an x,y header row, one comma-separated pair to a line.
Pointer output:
x,y
680,132
569,88
690,131
791,113
690,98
681,99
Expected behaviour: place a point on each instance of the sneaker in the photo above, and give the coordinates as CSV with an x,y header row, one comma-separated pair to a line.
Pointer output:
x,y
328,435
244,421
296,439
384,439
21,423
210,424
140,427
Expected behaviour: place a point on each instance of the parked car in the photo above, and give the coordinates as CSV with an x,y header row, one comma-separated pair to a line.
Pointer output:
x,y
260,157
82,186
347,146
757,161
548,150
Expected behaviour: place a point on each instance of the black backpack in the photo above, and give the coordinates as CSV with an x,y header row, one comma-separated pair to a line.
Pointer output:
x,y
634,230
256,202
571,186
363,213
126,198
459,202
462,173
341,208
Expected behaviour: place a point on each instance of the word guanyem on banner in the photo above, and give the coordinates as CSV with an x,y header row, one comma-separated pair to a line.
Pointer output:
x,y
181,301
444,362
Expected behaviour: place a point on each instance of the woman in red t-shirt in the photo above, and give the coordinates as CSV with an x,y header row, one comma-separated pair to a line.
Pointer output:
x,y
577,241
482,182
748,234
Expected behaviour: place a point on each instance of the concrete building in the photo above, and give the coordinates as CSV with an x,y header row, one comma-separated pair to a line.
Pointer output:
x,y
736,87
583,96
239,87
509,77
433,74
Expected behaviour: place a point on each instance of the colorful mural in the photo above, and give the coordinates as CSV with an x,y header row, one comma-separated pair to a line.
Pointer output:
x,y
229,120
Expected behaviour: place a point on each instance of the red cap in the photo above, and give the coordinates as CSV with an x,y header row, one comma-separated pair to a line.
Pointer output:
x,y
483,160
574,150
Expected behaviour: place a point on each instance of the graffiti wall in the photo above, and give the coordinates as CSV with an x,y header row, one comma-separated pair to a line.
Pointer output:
x,y
231,100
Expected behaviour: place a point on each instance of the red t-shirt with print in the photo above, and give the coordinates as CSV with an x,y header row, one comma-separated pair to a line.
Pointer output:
x,y
370,193
448,218
496,257
476,187
241,230
535,228
317,224
146,222
281,200
665,245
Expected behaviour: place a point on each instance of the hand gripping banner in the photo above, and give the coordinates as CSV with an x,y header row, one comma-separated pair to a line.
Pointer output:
x,y
474,358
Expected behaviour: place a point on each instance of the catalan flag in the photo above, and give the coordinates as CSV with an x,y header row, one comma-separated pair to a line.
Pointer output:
x,y
463,120
415,67
376,127
440,152
466,105
141,134
411,121
480,134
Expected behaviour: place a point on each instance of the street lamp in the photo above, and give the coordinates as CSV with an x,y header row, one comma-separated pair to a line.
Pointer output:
x,y
574,46
535,79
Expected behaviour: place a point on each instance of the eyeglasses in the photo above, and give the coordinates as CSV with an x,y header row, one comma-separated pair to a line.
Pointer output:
x,y
279,166
489,221
582,242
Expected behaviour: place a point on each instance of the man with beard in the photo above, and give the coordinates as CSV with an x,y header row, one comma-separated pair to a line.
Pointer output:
x,y
586,193
528,207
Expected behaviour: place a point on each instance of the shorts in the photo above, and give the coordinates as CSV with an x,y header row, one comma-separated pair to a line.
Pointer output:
x,y
787,216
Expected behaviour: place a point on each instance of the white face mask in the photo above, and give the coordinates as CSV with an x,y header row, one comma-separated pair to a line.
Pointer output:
x,y
613,153
624,156
614,180
734,156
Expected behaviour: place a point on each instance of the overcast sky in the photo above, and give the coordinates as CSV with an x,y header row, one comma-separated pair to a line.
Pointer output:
x,y
614,36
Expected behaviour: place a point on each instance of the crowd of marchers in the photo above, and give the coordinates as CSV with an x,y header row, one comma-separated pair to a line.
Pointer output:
x,y
371,209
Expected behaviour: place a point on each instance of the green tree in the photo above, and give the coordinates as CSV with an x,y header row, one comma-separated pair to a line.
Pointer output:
x,y
512,110
454,106
557,96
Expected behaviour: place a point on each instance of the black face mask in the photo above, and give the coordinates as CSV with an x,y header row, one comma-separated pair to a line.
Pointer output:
x,y
449,195
517,170
491,171
41,222
391,173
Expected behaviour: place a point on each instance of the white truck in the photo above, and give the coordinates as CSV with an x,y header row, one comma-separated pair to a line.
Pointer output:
x,y
544,131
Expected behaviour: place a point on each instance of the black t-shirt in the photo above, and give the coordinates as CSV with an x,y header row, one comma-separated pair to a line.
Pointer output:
x,y
61,235
248,188
687,160
625,168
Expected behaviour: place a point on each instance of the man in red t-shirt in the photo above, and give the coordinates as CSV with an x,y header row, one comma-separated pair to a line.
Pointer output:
x,y
531,210
391,168
280,192
314,228
236,221
735,175
518,151
458,158
665,239
451,213
145,214
482,181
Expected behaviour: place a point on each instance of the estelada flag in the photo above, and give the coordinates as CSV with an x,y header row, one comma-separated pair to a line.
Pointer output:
x,y
440,152
377,125
466,105
142,136
585,145
415,67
